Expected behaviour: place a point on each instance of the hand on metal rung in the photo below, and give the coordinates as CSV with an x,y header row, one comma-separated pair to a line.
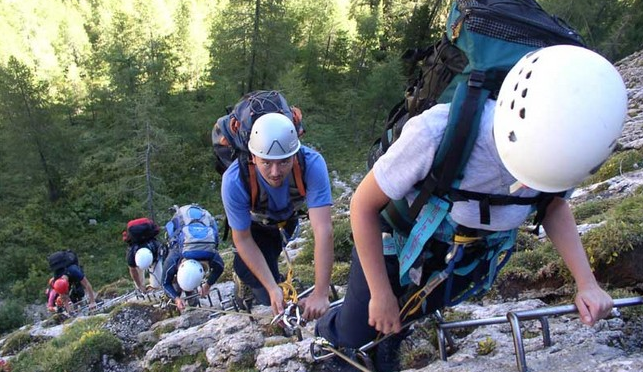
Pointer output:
x,y
290,318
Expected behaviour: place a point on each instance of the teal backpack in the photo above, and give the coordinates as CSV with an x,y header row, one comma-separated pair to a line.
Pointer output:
x,y
483,41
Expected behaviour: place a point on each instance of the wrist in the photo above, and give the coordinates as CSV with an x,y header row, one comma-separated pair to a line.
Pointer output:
x,y
321,291
586,283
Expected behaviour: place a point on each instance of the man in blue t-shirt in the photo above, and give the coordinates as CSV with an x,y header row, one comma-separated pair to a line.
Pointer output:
x,y
71,285
282,188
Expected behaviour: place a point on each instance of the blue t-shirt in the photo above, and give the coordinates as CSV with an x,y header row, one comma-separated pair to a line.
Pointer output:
x,y
236,199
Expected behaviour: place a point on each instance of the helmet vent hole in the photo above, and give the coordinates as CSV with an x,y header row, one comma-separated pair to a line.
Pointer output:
x,y
528,75
522,113
535,60
520,72
512,136
513,104
524,93
516,87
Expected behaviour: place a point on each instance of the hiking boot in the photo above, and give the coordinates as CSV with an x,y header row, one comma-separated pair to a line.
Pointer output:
x,y
242,293
338,364
192,298
387,354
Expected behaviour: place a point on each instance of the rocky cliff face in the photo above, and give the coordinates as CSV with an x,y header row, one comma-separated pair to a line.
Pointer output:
x,y
224,341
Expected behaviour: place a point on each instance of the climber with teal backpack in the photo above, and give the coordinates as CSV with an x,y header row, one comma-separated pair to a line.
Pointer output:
x,y
527,117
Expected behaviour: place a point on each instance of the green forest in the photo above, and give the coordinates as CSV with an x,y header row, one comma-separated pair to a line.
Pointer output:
x,y
107,106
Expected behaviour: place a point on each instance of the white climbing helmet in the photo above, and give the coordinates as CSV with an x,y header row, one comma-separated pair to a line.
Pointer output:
x,y
143,258
189,275
559,114
273,136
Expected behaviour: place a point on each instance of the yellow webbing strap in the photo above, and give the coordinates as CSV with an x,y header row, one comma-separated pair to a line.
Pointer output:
x,y
290,293
414,303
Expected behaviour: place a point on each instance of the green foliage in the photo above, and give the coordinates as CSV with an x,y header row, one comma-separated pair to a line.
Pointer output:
x,y
339,276
618,164
417,355
629,312
486,346
16,342
622,232
106,107
305,274
80,348
528,264
198,360
11,315
612,27
342,239
592,211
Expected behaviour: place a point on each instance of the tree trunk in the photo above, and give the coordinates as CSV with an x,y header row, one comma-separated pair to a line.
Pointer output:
x,y
253,48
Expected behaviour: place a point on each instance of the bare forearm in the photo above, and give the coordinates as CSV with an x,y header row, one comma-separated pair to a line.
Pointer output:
x,y
256,262
368,239
321,222
133,271
324,256
561,229
88,289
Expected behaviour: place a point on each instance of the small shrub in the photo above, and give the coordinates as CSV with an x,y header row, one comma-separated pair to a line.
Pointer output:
x,y
629,312
305,274
198,360
451,315
228,258
606,243
486,346
342,239
592,211
529,262
339,276
79,348
617,164
11,315
118,288
16,342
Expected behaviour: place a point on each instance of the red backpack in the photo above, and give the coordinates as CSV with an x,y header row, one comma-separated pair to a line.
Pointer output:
x,y
140,230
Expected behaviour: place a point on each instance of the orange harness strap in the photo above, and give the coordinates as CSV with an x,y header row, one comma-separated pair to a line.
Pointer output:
x,y
252,180
299,180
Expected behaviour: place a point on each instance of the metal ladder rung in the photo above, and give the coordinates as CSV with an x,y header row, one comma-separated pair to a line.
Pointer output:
x,y
514,318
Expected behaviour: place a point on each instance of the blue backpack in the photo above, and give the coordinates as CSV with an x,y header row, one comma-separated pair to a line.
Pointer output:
x,y
193,231
484,39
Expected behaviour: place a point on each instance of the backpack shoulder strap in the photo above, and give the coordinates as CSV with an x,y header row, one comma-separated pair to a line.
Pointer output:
x,y
457,142
298,170
248,175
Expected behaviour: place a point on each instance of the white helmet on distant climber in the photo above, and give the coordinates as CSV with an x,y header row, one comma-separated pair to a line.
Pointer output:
x,y
273,136
143,258
189,275
559,114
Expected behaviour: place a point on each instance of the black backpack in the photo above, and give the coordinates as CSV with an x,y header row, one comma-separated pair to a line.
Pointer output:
x,y
484,39
61,260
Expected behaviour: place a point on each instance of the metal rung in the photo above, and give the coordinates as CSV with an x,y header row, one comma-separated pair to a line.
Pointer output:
x,y
514,318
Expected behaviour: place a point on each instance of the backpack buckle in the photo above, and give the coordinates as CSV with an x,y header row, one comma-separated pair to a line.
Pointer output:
x,y
476,79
